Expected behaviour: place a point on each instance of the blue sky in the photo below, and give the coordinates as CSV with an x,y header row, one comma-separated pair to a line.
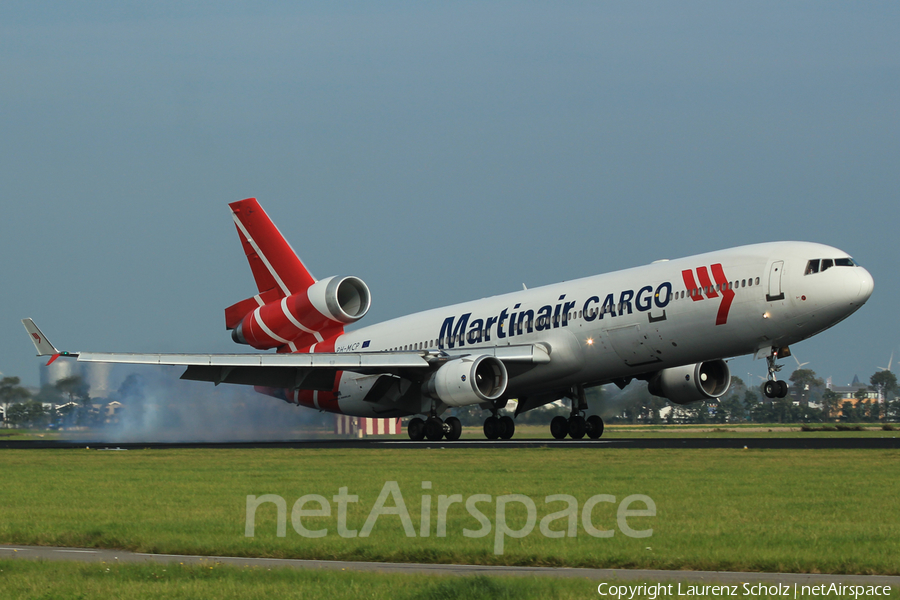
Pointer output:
x,y
440,151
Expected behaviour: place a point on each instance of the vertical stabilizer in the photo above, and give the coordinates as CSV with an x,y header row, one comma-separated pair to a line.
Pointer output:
x,y
274,263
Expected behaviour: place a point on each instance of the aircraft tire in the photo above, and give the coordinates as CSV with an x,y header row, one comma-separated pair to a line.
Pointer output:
x,y
594,427
769,389
416,429
434,429
559,428
452,429
507,427
492,428
577,427
782,389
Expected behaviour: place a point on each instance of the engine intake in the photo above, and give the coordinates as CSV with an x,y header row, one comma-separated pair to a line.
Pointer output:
x,y
692,383
468,380
343,299
326,306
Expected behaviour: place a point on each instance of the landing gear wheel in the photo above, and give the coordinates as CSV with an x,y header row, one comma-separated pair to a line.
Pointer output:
x,y
577,427
782,389
559,428
594,427
416,429
452,429
492,428
434,429
770,389
507,427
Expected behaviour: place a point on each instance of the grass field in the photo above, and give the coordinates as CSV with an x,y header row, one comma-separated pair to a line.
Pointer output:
x,y
29,580
713,430
798,511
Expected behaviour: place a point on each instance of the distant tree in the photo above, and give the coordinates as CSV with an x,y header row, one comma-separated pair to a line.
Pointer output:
x,y
873,411
831,402
27,414
11,392
75,389
751,400
806,379
732,409
849,413
885,383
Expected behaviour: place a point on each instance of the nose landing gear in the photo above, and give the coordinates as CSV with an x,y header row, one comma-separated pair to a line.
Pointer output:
x,y
773,388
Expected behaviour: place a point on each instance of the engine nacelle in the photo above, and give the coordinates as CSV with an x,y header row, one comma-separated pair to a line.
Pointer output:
x,y
692,383
468,380
326,305
343,299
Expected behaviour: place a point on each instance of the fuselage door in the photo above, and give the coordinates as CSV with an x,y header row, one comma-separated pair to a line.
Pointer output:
x,y
775,292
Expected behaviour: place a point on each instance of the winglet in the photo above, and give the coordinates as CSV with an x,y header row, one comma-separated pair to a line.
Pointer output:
x,y
43,346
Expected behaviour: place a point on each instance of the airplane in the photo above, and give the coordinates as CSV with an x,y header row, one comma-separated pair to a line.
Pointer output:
x,y
672,323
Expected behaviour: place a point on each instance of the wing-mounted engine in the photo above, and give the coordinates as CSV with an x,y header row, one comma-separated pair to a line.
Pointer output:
x,y
468,380
692,383
305,318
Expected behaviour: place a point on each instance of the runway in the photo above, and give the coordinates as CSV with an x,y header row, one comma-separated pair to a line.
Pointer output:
x,y
96,555
697,443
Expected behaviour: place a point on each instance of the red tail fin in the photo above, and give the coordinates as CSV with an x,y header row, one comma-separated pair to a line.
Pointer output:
x,y
274,263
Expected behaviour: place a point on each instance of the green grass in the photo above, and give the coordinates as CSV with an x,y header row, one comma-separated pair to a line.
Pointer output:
x,y
523,431
708,430
27,579
35,580
798,511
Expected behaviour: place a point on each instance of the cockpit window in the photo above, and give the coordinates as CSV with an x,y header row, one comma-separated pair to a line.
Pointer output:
x,y
820,265
812,267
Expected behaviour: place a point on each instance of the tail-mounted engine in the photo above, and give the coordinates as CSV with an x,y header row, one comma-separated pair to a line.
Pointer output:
x,y
304,318
467,380
691,383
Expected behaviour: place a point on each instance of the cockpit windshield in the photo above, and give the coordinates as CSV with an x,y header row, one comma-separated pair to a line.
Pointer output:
x,y
820,265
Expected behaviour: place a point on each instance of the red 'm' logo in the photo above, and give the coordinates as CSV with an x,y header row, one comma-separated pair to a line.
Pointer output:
x,y
708,288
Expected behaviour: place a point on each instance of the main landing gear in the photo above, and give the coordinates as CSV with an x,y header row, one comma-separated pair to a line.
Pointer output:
x,y
577,426
773,388
502,428
434,429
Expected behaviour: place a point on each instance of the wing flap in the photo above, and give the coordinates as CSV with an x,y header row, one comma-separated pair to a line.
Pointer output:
x,y
346,361
275,377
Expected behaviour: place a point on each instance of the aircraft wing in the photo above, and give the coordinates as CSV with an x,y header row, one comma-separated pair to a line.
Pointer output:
x,y
296,371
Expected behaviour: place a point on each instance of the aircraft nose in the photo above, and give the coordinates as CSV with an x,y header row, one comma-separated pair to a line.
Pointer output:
x,y
866,284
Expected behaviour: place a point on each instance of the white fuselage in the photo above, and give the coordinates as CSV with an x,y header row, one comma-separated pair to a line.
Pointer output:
x,y
636,321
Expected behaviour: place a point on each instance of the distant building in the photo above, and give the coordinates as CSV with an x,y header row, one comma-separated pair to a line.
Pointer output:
x,y
847,393
98,376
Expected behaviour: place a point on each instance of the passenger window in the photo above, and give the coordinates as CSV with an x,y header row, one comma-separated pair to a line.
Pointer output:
x,y
827,263
757,281
812,267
